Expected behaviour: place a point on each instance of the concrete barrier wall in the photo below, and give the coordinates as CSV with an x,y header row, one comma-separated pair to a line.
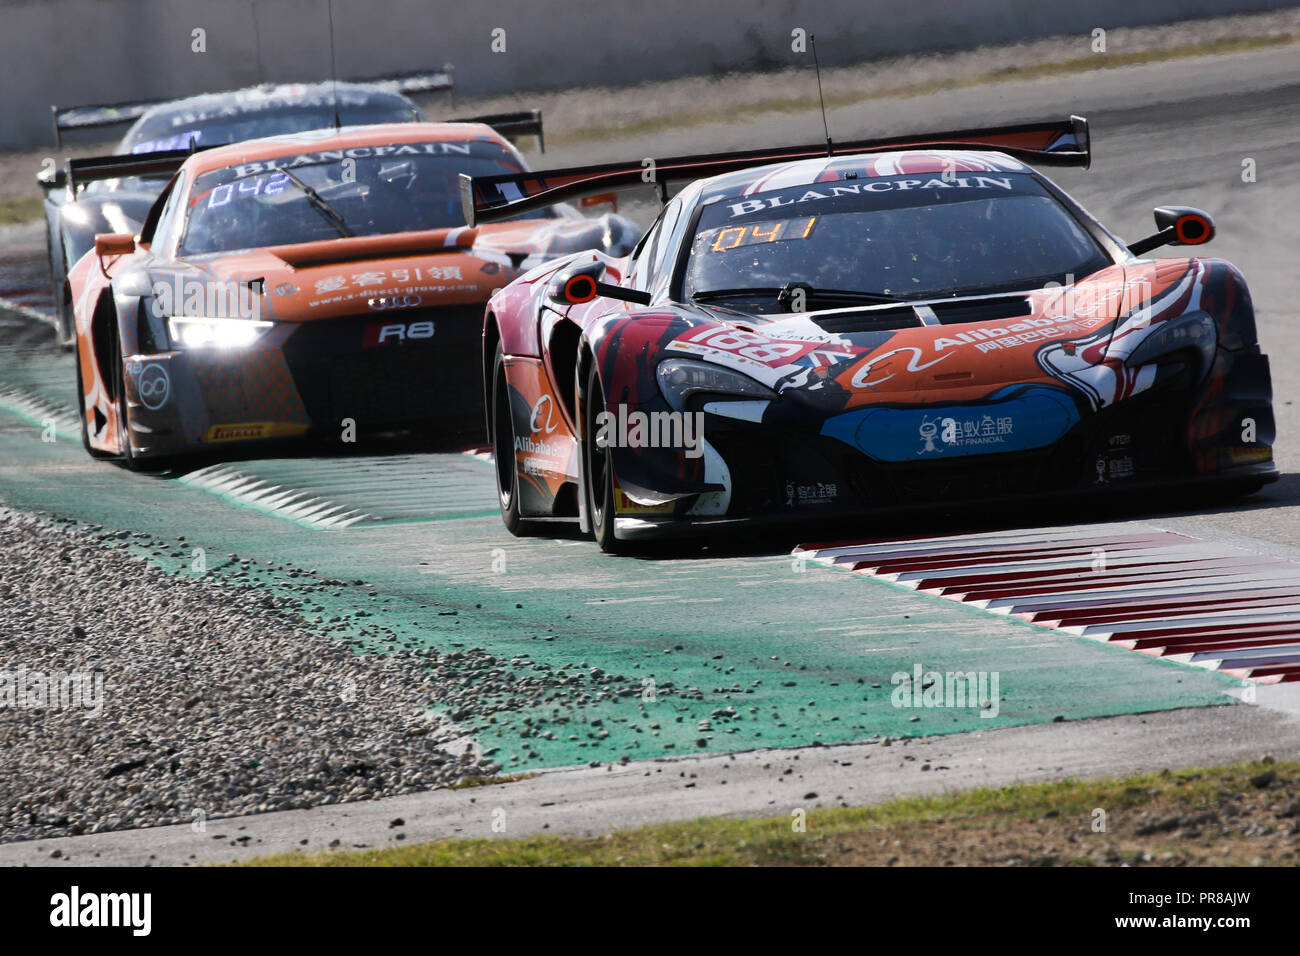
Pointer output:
x,y
71,52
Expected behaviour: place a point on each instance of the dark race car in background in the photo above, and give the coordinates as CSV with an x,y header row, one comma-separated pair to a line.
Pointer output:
x,y
913,322
321,284
74,215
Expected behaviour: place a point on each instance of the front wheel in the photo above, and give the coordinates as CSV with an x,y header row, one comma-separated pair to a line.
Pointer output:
x,y
67,328
119,393
1232,492
503,453
81,406
598,473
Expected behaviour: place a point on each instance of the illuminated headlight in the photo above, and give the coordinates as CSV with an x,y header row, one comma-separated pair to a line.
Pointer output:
x,y
679,379
194,332
74,213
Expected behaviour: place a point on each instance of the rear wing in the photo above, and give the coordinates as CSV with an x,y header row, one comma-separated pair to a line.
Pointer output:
x,y
492,198
443,80
511,125
165,162
78,172
95,116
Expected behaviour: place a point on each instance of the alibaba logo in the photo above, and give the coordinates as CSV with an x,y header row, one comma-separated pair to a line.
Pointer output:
x,y
533,421
862,379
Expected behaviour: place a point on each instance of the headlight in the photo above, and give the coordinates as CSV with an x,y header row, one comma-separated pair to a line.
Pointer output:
x,y
1194,331
679,379
196,332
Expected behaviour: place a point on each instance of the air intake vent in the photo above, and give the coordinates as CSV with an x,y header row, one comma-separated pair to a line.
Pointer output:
x,y
981,310
868,320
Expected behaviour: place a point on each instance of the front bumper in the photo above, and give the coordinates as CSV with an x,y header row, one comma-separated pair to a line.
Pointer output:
x,y
325,379
1176,435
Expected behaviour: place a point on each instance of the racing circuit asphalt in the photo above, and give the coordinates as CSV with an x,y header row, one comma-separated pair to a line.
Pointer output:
x,y
727,632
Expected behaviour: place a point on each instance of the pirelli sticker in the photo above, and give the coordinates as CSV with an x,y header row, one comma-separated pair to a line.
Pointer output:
x,y
249,431
626,506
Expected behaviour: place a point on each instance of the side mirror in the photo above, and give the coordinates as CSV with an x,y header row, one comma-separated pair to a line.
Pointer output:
x,y
1176,226
114,244
600,199
580,282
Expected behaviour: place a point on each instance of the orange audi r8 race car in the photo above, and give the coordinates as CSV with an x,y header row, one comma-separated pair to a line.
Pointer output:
x,y
322,283
119,203
827,331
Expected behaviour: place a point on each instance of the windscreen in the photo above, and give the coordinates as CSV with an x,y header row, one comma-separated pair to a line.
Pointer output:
x,y
360,191
235,117
910,237
252,117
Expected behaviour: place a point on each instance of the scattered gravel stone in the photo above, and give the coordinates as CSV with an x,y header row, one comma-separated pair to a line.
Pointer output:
x,y
213,703
240,692
1260,781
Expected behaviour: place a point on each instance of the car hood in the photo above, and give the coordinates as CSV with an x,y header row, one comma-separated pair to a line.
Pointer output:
x,y
1074,336
338,277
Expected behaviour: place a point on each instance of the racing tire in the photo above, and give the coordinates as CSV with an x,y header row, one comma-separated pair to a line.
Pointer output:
x,y
56,256
63,315
598,474
63,306
81,406
1241,488
503,454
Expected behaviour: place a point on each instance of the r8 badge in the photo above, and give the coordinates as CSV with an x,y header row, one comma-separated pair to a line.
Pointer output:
x,y
388,333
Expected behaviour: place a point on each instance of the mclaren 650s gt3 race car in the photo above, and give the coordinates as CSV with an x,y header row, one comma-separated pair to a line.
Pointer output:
x,y
323,283
918,321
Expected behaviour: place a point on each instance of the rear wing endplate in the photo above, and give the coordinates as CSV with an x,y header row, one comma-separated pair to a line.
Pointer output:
x,y
95,116
82,171
420,81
